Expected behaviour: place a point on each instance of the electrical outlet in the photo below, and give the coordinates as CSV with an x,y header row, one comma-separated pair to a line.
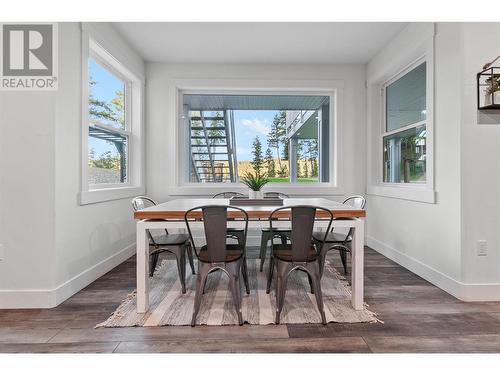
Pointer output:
x,y
482,248
2,252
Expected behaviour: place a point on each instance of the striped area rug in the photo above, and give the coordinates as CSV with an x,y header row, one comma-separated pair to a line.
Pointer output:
x,y
168,306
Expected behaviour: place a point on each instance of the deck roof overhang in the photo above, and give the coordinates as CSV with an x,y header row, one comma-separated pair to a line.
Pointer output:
x,y
210,102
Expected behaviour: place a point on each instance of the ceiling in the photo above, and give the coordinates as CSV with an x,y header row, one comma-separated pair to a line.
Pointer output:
x,y
253,42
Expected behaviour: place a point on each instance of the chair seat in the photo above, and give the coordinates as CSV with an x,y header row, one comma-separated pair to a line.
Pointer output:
x,y
235,230
171,239
332,237
276,230
284,252
233,252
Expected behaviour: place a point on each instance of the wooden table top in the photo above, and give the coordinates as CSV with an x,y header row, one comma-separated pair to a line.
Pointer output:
x,y
175,209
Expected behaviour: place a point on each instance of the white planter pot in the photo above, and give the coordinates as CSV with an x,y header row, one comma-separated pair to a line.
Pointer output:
x,y
255,194
496,98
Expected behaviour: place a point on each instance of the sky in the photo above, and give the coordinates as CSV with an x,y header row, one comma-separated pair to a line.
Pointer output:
x,y
248,124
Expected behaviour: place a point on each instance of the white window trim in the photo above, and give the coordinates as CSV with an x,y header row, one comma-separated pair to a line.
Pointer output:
x,y
134,94
331,88
420,192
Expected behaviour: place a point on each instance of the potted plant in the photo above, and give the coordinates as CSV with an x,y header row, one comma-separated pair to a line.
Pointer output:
x,y
493,90
255,182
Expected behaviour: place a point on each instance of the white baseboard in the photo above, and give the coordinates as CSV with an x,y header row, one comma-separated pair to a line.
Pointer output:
x,y
27,299
462,291
80,281
48,298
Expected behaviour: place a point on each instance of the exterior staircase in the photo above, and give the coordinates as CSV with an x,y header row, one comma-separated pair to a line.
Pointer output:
x,y
213,154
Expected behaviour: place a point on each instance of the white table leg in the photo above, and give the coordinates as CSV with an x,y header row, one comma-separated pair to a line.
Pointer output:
x,y
358,244
142,245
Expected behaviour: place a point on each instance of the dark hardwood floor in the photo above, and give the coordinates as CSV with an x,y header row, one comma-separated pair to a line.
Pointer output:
x,y
418,317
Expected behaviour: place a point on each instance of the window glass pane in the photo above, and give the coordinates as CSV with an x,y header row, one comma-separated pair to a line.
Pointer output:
x,y
107,157
106,97
284,137
406,99
405,156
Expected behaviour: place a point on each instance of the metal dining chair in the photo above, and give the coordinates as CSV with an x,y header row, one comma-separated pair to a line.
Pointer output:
x,y
177,244
234,233
301,254
339,241
266,233
217,254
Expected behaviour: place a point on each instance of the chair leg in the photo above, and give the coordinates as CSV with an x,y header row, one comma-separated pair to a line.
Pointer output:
x,y
263,243
203,270
311,284
283,271
204,285
190,257
343,257
240,236
234,283
322,257
270,274
153,262
314,270
244,270
180,254
263,248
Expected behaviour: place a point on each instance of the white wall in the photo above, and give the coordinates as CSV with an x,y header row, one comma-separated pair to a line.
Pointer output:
x,y
90,239
480,141
437,241
421,236
64,246
161,139
27,212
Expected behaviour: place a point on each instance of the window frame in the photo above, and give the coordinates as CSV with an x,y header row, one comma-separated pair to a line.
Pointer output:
x,y
382,70
331,88
134,93
385,133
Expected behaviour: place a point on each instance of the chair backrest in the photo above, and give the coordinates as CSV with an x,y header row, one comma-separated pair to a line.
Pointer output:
x,y
141,202
275,194
357,201
215,219
302,225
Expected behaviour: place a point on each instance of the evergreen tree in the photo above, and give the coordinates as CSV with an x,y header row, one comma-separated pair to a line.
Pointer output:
x,y
285,154
314,168
277,135
271,170
258,160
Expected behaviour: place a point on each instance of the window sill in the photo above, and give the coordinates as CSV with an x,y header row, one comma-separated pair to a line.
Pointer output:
x,y
210,189
410,193
110,194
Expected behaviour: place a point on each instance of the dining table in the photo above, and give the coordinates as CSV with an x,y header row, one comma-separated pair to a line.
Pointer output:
x,y
170,215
